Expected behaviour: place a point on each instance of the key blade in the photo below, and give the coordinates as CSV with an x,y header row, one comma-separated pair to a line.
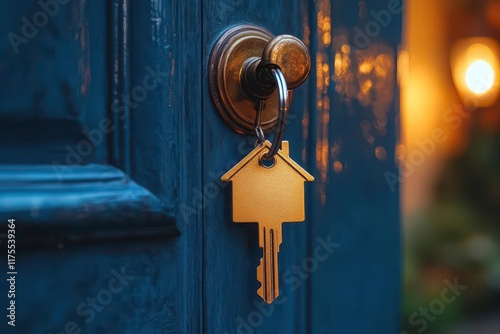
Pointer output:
x,y
267,271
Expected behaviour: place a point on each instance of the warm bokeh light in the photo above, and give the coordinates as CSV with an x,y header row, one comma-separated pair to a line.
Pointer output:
x,y
450,125
475,64
480,77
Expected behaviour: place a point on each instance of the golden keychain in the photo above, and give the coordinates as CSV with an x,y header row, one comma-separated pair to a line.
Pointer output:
x,y
268,188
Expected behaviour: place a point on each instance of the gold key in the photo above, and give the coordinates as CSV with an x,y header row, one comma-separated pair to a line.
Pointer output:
x,y
269,193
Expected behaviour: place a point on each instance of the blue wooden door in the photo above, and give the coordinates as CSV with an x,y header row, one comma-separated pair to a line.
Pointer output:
x,y
111,154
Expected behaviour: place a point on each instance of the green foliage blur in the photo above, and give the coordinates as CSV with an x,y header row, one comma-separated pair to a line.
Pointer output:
x,y
457,237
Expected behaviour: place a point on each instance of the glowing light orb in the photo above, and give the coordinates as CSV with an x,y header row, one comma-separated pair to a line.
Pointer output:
x,y
480,77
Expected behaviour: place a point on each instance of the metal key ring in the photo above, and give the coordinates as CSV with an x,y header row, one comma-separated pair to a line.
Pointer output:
x,y
258,129
283,105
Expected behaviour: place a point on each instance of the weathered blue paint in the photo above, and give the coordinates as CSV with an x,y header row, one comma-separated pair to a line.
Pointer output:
x,y
79,203
356,289
114,214
230,271
59,75
101,219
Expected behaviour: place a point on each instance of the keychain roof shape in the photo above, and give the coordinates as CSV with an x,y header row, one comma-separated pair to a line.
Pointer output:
x,y
275,193
283,153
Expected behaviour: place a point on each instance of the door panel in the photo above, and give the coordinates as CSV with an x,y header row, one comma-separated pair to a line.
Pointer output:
x,y
77,230
65,144
55,81
353,201
343,129
231,252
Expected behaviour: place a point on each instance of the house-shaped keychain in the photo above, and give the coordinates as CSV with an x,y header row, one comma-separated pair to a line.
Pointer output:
x,y
268,194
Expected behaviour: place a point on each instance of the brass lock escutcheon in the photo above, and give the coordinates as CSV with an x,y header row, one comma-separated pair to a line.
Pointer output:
x,y
239,78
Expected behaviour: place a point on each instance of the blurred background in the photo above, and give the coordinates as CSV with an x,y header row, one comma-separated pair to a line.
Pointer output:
x,y
449,159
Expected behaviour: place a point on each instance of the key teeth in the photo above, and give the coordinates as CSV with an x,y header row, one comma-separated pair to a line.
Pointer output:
x,y
260,274
261,293
260,271
267,271
260,278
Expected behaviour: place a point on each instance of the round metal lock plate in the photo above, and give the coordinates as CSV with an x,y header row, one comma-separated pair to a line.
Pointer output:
x,y
231,50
